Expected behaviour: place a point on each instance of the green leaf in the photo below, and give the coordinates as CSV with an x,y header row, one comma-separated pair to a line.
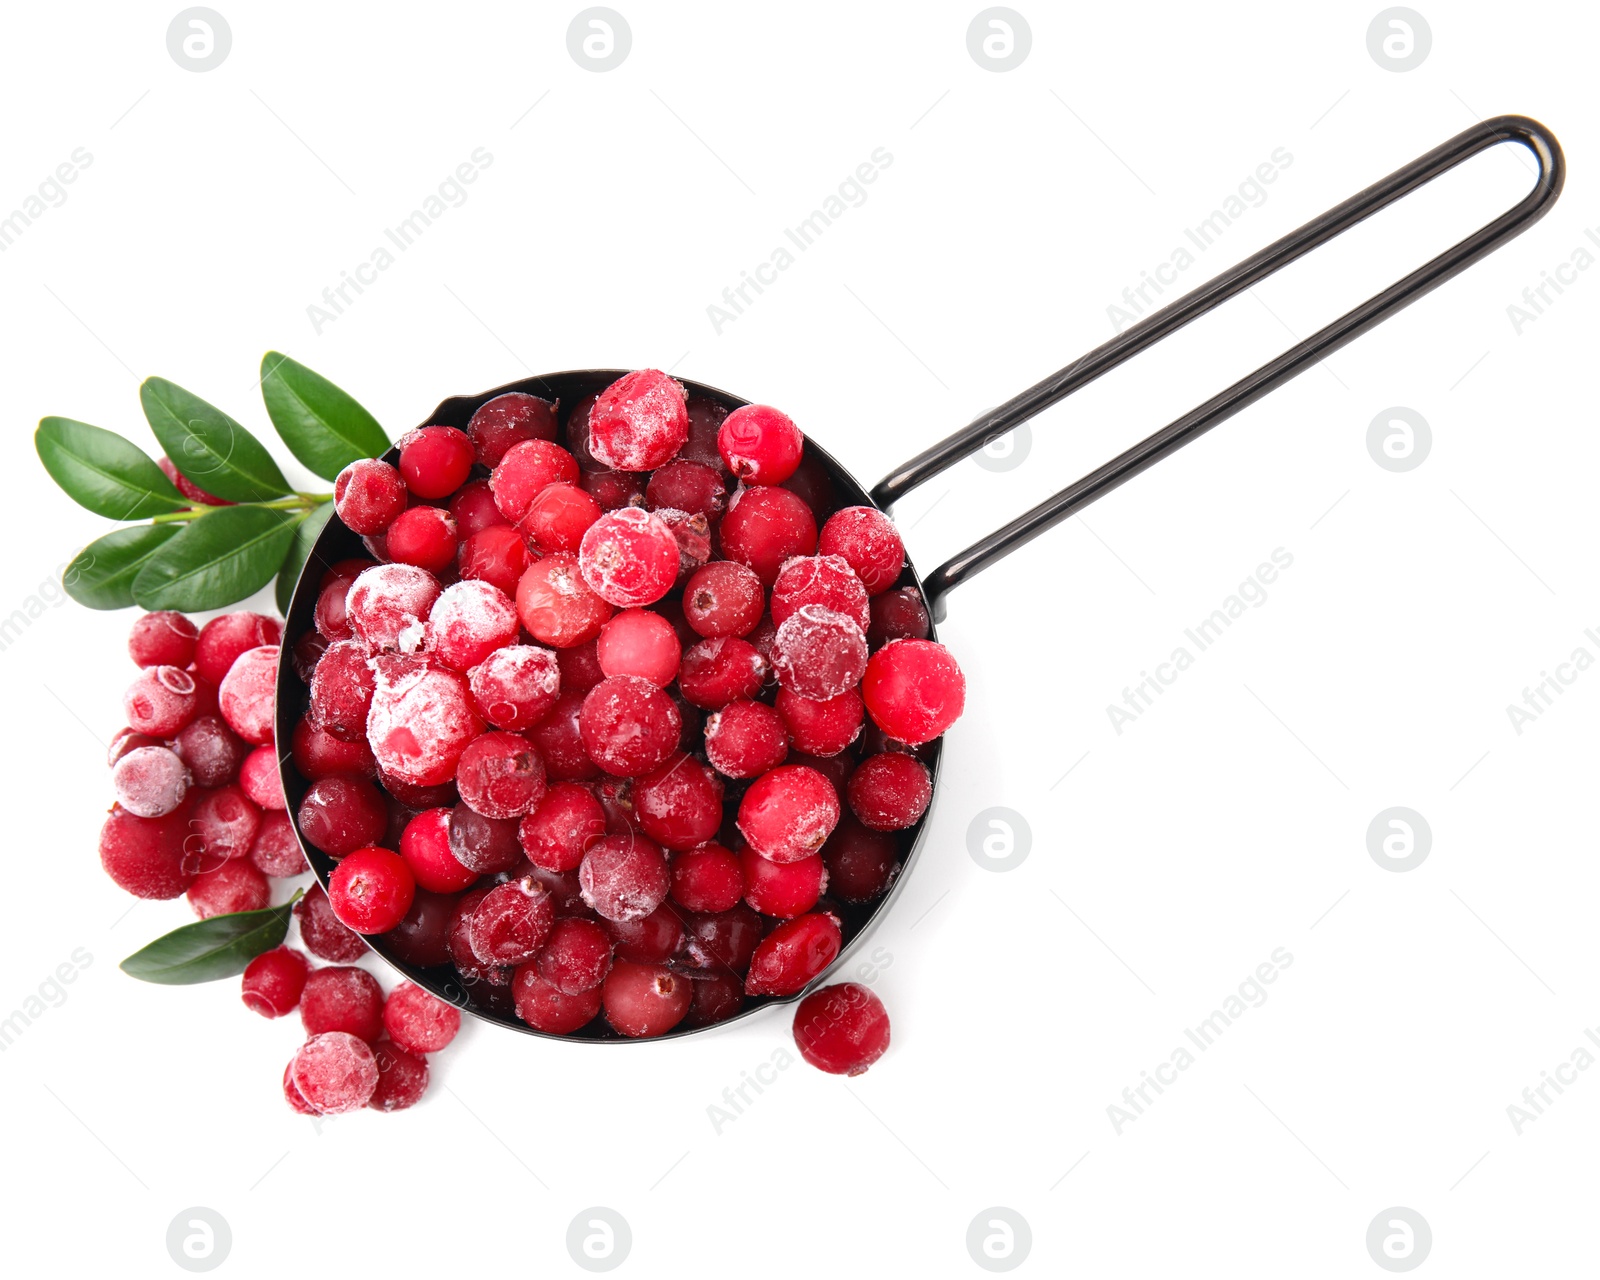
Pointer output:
x,y
219,947
208,446
101,575
305,537
323,426
217,560
103,472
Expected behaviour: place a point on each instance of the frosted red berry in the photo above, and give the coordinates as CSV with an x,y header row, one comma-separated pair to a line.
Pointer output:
x,y
273,982
629,557
508,420
341,691
716,672
557,518
402,1078
232,887
515,687
822,727
560,741
645,999
789,813
162,639
259,778
425,846
544,1008
368,495
321,932
341,998
914,690
723,598
567,821
842,1029
418,1021
468,622
576,957
501,775
161,701
580,667
793,954
150,781
557,606
371,890
890,791
624,877
629,726
707,878
474,508
247,694
525,470
485,845
612,489
495,555
511,923
223,823
639,422
422,719
764,527
435,461
828,581
145,856
225,637
126,740
868,541
424,537
637,642
819,653
388,606
276,851
760,445
745,739
679,804
334,1073
340,814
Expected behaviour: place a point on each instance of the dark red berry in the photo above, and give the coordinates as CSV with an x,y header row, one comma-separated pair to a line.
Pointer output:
x,y
146,856
474,508
861,863
317,753
688,486
485,845
651,939
508,420
544,1008
679,805
842,1029
723,599
717,997
723,940
402,1078
321,931
233,887
341,814
898,615
560,741
418,1021
793,954
342,998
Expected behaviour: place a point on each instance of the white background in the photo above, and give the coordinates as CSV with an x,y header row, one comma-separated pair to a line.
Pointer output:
x,y
1167,861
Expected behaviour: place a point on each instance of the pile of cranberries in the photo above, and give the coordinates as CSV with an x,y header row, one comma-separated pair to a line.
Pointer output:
x,y
200,810
612,706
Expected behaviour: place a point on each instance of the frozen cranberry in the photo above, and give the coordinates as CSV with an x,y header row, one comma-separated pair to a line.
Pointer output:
x,y
323,934
828,581
525,470
126,740
560,741
836,769
842,1029
368,495
515,687
764,527
318,754
150,781
341,691
425,537
760,445
309,648
718,671
232,887
707,879
890,791
508,420
629,726
162,639
561,829
501,775
639,422
485,845
613,490
624,877
788,813
629,557
565,891
869,542
913,690
723,939
645,1000
474,508
580,666
557,518
544,1008
679,804
276,851
224,638
898,615
861,863
511,923
422,719
651,939
705,423
819,653
821,728
637,642
435,461
187,487
423,937
260,781
341,814
331,616
223,823
616,800
292,1096
371,890
688,486
334,1073
784,890
468,622
745,739
425,845
161,701
723,599
495,555
273,982
145,856
402,1078
342,998
576,957
389,604
793,954
417,798
692,533
717,997
557,606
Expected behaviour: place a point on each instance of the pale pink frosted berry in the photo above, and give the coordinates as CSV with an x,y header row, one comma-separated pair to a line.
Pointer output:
x,y
334,1072
388,606
819,653
514,688
249,692
639,422
422,718
468,622
150,781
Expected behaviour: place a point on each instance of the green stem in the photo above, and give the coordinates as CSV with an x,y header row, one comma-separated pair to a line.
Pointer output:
x,y
299,502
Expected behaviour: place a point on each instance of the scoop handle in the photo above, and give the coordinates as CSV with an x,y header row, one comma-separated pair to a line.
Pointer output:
x,y
1159,324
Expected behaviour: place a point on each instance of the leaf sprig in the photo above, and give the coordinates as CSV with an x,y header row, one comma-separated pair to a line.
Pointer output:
x,y
192,555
